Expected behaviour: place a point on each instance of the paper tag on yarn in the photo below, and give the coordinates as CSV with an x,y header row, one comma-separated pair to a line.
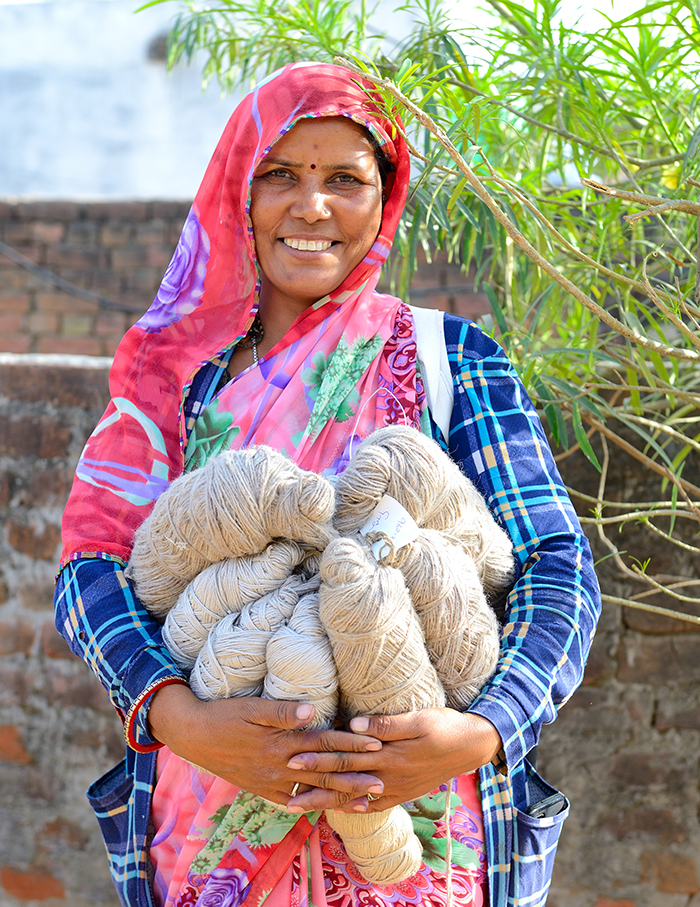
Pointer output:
x,y
394,521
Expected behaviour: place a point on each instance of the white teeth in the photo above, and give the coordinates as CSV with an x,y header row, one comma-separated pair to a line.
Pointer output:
x,y
308,245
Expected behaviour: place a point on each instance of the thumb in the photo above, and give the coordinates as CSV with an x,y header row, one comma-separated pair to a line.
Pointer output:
x,y
287,716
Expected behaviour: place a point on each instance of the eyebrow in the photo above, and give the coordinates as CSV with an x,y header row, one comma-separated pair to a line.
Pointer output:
x,y
279,162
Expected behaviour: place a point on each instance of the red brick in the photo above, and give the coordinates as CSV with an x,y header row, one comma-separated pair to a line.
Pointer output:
x,y
670,872
57,385
37,596
151,233
66,255
647,622
5,488
77,325
110,344
159,257
131,211
11,323
129,257
65,211
49,486
61,833
646,770
177,210
77,688
16,232
82,232
4,591
47,233
53,645
43,323
80,346
606,902
145,279
12,747
116,234
16,343
109,323
64,302
33,885
14,689
677,715
27,539
657,660
644,822
599,664
42,436
17,302
16,636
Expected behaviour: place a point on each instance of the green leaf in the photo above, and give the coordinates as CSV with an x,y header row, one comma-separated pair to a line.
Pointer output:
x,y
583,441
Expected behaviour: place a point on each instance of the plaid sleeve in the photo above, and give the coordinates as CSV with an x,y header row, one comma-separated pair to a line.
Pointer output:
x,y
103,622
553,609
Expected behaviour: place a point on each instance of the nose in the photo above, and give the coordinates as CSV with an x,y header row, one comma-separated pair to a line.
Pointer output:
x,y
310,203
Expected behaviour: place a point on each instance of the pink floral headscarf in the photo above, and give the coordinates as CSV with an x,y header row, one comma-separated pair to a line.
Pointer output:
x,y
206,303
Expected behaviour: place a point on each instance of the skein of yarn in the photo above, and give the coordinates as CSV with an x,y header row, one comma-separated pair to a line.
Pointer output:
x,y
461,630
383,668
221,589
233,507
233,662
300,666
414,470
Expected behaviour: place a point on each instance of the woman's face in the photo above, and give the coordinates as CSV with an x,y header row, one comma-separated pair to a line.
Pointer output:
x,y
316,208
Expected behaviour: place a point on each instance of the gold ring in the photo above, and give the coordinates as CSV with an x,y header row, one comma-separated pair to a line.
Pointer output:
x,y
372,797
295,789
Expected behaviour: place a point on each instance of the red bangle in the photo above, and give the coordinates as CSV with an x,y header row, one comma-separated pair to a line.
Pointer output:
x,y
129,735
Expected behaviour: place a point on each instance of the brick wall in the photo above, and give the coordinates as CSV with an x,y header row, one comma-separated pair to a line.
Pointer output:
x,y
120,250
625,749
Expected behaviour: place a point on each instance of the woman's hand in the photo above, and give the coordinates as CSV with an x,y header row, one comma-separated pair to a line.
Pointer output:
x,y
250,741
421,751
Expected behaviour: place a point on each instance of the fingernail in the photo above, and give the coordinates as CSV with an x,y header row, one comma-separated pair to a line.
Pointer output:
x,y
294,809
376,789
304,712
360,808
374,745
360,725
294,764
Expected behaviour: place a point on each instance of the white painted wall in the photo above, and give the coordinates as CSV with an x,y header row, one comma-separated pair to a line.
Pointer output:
x,y
85,114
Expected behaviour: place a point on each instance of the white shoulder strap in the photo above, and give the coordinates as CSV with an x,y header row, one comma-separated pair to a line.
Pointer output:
x,y
434,365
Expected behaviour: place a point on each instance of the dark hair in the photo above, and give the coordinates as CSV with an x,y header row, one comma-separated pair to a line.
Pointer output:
x,y
384,162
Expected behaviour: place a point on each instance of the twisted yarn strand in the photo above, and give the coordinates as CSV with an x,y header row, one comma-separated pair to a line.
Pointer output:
x,y
233,660
221,589
300,666
233,507
383,668
414,470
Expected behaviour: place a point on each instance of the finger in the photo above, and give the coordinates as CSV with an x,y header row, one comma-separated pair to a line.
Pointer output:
x,y
334,790
335,742
407,726
333,762
289,716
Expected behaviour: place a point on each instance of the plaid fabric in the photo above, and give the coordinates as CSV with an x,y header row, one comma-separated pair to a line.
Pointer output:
x,y
550,619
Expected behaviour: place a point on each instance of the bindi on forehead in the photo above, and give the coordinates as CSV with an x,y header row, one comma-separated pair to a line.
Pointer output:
x,y
313,166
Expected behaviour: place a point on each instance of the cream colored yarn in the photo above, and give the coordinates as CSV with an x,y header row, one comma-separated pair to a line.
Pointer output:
x,y
461,630
300,666
233,659
383,668
232,507
415,471
224,588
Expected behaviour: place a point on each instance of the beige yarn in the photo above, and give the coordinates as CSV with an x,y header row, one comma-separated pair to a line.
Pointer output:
x,y
232,507
224,588
383,668
300,666
461,630
414,470
233,659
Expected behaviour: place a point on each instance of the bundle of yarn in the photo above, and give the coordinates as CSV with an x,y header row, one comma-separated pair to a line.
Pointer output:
x,y
413,630
229,558
232,507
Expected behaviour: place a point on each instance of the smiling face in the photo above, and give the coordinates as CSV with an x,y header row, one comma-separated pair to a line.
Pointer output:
x,y
316,209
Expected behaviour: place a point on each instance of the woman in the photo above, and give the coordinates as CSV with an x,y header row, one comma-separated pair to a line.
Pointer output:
x,y
267,329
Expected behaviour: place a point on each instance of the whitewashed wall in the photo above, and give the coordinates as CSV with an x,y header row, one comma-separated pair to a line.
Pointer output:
x,y
85,114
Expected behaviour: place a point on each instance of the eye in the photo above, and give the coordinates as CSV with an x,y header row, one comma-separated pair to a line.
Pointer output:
x,y
276,174
345,179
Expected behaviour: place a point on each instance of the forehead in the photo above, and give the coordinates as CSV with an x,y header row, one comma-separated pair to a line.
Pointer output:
x,y
322,137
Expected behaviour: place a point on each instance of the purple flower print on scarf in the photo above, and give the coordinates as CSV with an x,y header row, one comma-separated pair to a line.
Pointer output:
x,y
225,888
183,284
